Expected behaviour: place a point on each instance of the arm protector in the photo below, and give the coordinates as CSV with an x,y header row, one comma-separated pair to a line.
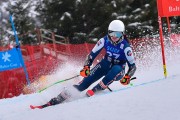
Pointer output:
x,y
131,70
88,61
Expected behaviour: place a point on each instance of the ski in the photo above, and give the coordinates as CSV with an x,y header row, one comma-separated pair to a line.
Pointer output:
x,y
90,93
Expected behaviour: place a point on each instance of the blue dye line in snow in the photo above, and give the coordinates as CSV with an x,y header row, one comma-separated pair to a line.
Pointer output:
x,y
145,83
16,100
122,89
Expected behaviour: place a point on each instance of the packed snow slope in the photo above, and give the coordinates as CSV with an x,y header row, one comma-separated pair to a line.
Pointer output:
x,y
150,97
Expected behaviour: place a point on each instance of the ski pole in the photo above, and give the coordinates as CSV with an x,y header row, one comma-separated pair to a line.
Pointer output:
x,y
109,88
112,90
57,83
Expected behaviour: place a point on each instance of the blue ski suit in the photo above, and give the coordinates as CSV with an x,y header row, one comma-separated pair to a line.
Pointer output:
x,y
112,65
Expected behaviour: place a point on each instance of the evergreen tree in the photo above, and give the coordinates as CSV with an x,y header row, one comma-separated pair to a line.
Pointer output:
x,y
23,22
56,15
83,19
142,18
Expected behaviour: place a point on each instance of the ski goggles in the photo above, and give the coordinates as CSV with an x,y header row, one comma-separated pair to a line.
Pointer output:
x,y
115,34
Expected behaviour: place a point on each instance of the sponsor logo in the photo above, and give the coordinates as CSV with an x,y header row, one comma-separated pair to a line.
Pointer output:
x,y
99,42
8,66
6,57
174,9
112,49
129,53
122,46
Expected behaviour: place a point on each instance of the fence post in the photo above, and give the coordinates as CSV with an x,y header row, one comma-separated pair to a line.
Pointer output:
x,y
38,33
54,41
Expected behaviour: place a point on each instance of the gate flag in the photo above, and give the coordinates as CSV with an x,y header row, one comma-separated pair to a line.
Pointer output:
x,y
9,60
167,8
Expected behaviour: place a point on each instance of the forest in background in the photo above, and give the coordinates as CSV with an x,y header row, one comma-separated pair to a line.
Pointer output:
x,y
85,20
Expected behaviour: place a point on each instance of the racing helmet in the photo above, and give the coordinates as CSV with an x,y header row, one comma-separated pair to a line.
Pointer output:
x,y
116,31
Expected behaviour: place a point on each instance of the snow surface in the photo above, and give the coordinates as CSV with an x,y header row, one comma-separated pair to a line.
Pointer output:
x,y
150,97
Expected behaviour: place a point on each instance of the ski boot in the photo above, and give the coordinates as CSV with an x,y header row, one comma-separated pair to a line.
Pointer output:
x,y
54,101
95,89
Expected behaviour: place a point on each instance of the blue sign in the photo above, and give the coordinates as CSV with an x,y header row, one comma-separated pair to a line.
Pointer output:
x,y
9,60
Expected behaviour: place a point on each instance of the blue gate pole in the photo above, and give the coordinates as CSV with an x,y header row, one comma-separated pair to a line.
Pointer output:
x,y
19,51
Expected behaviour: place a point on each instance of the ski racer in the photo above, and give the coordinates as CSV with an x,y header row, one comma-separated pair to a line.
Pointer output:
x,y
111,67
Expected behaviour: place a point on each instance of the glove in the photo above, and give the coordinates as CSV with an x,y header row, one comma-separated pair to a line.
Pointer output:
x,y
125,80
85,71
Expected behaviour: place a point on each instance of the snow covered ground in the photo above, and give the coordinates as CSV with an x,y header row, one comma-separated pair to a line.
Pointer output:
x,y
150,97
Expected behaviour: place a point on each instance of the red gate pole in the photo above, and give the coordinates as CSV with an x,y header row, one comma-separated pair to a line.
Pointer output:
x,y
162,46
169,27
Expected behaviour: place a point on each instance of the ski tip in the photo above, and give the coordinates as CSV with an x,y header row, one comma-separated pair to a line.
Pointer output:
x,y
33,107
